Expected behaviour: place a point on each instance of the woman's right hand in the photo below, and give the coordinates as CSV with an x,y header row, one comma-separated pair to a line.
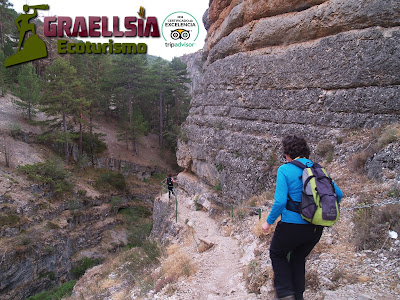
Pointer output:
x,y
265,226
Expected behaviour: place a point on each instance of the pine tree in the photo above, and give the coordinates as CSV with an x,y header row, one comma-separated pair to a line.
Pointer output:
x,y
28,90
131,129
2,74
161,74
127,82
61,91
7,16
181,95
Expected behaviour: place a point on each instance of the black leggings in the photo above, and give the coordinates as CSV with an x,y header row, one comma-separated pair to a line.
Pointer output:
x,y
170,190
289,272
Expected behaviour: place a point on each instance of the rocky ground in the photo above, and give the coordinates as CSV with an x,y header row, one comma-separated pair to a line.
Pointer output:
x,y
228,258
43,235
240,256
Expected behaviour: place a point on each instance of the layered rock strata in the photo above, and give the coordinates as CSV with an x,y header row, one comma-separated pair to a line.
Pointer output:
x,y
272,68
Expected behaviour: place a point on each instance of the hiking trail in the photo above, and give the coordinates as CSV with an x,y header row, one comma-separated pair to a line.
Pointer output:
x,y
219,270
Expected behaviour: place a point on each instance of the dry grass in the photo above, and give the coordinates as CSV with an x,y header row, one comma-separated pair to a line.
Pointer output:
x,y
312,280
257,229
259,232
120,295
390,134
256,277
378,138
177,263
164,281
260,200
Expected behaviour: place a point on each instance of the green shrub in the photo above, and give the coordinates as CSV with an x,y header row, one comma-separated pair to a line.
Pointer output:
x,y
217,186
49,173
116,202
56,293
49,275
15,130
389,135
48,249
219,167
82,193
84,264
371,226
183,136
256,276
92,144
138,224
52,226
74,204
394,192
152,250
115,180
133,214
9,219
197,206
138,234
325,149
138,260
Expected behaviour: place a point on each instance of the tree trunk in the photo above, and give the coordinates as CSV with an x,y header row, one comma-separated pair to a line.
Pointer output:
x,y
6,153
66,138
80,135
127,139
91,133
167,117
161,138
1,36
177,114
29,111
131,129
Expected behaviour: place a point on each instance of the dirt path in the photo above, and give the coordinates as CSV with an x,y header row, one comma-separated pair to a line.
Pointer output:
x,y
220,273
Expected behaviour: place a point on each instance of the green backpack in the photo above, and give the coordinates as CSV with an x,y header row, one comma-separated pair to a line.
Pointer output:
x,y
319,202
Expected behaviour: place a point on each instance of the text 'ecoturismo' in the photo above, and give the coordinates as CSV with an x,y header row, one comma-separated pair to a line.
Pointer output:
x,y
99,27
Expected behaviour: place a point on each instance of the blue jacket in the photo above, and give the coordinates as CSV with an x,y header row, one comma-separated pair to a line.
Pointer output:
x,y
288,183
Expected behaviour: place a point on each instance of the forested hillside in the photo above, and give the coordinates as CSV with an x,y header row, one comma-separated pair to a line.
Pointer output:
x,y
143,93
85,141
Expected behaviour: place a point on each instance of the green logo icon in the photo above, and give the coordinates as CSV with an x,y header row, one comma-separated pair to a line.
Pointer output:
x,y
34,47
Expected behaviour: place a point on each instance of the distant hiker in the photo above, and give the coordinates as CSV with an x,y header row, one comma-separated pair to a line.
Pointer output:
x,y
294,237
170,184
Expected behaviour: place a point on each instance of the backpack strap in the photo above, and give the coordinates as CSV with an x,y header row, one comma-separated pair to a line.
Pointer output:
x,y
293,205
298,164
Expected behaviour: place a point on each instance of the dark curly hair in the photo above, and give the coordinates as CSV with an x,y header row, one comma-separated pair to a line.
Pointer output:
x,y
295,146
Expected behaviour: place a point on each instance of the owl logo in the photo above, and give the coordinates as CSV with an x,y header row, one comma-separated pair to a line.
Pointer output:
x,y
180,34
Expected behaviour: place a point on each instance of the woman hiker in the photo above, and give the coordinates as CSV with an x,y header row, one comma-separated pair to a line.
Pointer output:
x,y
293,234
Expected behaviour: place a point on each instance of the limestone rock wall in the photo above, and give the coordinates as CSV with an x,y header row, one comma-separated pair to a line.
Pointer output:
x,y
40,256
276,67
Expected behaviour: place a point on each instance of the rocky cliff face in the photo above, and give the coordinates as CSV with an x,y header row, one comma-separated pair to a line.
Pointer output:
x,y
270,68
39,249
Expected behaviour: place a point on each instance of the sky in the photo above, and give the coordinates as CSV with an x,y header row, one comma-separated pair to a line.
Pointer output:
x,y
160,9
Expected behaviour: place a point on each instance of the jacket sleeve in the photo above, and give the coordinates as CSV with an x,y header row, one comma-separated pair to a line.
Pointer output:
x,y
280,198
338,192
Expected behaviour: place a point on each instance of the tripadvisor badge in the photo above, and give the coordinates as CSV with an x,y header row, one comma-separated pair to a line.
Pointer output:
x,y
34,47
180,29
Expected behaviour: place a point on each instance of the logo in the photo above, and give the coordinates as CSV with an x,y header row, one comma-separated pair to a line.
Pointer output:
x,y
34,47
180,29
141,12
